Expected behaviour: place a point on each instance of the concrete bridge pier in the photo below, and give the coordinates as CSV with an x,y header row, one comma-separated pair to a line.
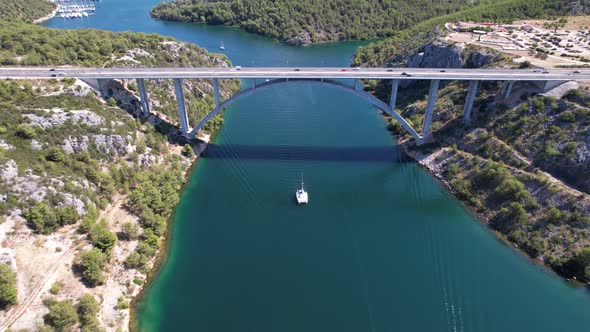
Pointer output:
x,y
145,101
508,90
473,85
358,85
504,86
182,113
432,95
393,99
216,91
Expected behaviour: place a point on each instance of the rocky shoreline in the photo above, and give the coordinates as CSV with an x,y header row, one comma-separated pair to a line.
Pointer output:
x,y
46,17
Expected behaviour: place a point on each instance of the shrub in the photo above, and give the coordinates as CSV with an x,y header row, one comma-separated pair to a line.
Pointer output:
x,y
145,249
130,230
8,294
570,148
56,288
25,131
567,116
553,130
452,170
539,104
573,93
55,154
510,216
188,152
511,189
525,65
135,260
122,303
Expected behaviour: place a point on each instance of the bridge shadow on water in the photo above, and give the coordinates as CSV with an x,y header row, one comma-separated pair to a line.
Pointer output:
x,y
385,154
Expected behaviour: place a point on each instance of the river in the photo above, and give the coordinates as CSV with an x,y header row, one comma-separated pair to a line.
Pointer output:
x,y
381,246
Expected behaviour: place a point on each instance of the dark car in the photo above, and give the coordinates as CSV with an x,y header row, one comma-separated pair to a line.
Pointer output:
x,y
576,72
343,69
297,69
389,69
406,74
443,71
52,69
53,75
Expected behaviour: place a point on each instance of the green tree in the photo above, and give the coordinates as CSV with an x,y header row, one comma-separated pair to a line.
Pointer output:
x,y
188,152
8,294
61,315
135,260
91,263
102,238
66,215
130,230
87,309
41,218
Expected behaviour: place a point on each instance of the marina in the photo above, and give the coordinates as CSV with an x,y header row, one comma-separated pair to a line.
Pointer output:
x,y
75,9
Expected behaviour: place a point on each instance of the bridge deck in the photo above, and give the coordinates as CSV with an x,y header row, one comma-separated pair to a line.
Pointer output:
x,y
302,72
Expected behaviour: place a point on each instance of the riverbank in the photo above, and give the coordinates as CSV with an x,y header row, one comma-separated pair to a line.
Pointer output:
x,y
162,254
455,168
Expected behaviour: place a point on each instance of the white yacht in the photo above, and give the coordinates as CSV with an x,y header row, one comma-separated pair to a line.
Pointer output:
x,y
301,194
222,47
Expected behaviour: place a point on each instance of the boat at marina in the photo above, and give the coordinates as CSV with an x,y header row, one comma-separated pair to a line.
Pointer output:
x,y
301,194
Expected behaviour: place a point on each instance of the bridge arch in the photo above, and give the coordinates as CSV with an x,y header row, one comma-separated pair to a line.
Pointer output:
x,y
377,103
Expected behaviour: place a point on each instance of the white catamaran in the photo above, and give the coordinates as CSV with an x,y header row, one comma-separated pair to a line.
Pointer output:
x,y
301,194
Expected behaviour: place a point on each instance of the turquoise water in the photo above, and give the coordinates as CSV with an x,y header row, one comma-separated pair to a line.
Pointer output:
x,y
380,247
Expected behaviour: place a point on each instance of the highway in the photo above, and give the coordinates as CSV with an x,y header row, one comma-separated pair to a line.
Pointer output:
x,y
302,73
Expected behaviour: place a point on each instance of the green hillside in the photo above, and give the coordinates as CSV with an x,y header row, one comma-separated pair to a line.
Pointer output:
x,y
303,22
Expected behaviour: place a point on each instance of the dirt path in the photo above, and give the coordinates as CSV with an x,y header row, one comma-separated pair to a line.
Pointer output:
x,y
17,311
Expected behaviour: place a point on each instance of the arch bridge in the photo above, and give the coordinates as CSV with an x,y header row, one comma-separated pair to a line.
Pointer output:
x,y
328,77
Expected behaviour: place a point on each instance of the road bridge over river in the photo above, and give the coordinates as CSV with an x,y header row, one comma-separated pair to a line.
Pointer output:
x,y
329,77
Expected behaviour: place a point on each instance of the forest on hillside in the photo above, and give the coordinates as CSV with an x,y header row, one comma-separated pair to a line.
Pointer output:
x,y
302,22
28,10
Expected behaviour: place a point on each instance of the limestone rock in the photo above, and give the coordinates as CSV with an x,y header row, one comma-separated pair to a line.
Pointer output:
x,y
437,55
111,143
301,39
77,204
72,145
36,145
583,154
479,59
5,146
9,171
59,117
